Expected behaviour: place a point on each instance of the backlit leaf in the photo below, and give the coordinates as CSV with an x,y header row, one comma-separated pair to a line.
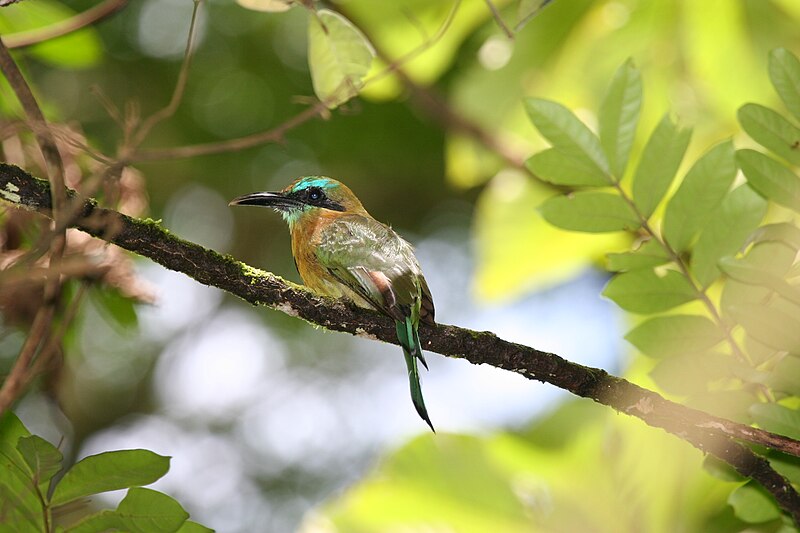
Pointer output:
x,y
785,376
557,167
784,71
592,212
771,131
782,232
141,511
619,115
753,504
567,133
730,224
109,471
774,327
670,335
644,291
688,374
19,502
746,272
660,160
150,511
777,418
43,458
339,57
702,190
648,255
193,527
770,178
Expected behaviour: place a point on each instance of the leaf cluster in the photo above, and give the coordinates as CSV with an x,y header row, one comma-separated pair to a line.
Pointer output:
x,y
37,491
718,285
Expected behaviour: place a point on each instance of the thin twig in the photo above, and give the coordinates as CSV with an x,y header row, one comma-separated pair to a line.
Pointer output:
x,y
527,18
64,27
277,134
712,434
180,86
499,19
232,145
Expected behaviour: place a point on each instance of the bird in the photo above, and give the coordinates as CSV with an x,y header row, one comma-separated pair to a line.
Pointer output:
x,y
340,250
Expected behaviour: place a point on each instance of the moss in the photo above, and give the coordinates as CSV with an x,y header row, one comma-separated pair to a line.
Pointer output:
x,y
252,272
478,334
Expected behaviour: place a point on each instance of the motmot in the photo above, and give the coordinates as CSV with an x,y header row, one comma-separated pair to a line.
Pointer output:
x,y
341,251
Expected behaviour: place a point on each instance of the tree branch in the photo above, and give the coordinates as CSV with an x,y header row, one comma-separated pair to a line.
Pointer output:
x,y
64,27
717,436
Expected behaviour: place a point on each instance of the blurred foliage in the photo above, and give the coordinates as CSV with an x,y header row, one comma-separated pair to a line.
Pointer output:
x,y
581,468
711,260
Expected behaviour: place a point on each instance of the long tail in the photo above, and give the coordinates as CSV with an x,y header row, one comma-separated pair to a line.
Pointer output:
x,y
408,336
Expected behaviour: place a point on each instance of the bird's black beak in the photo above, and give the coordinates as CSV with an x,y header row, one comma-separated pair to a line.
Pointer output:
x,y
275,200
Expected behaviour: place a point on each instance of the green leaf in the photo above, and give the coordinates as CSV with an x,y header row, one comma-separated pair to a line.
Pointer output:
x,y
194,527
753,504
660,160
648,255
19,502
116,306
770,178
619,115
592,212
788,466
777,419
109,471
100,522
784,71
644,291
19,506
730,225
785,376
568,134
150,511
772,131
558,167
688,374
730,404
783,232
141,511
773,327
43,458
721,470
339,57
674,335
746,272
701,191
11,431
12,428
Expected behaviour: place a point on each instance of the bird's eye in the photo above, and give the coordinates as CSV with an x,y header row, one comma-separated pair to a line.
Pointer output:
x,y
314,195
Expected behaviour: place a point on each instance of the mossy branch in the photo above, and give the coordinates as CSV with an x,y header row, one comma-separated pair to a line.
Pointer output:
x,y
717,436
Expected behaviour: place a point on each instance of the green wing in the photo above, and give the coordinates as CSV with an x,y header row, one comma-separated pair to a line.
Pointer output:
x,y
377,264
